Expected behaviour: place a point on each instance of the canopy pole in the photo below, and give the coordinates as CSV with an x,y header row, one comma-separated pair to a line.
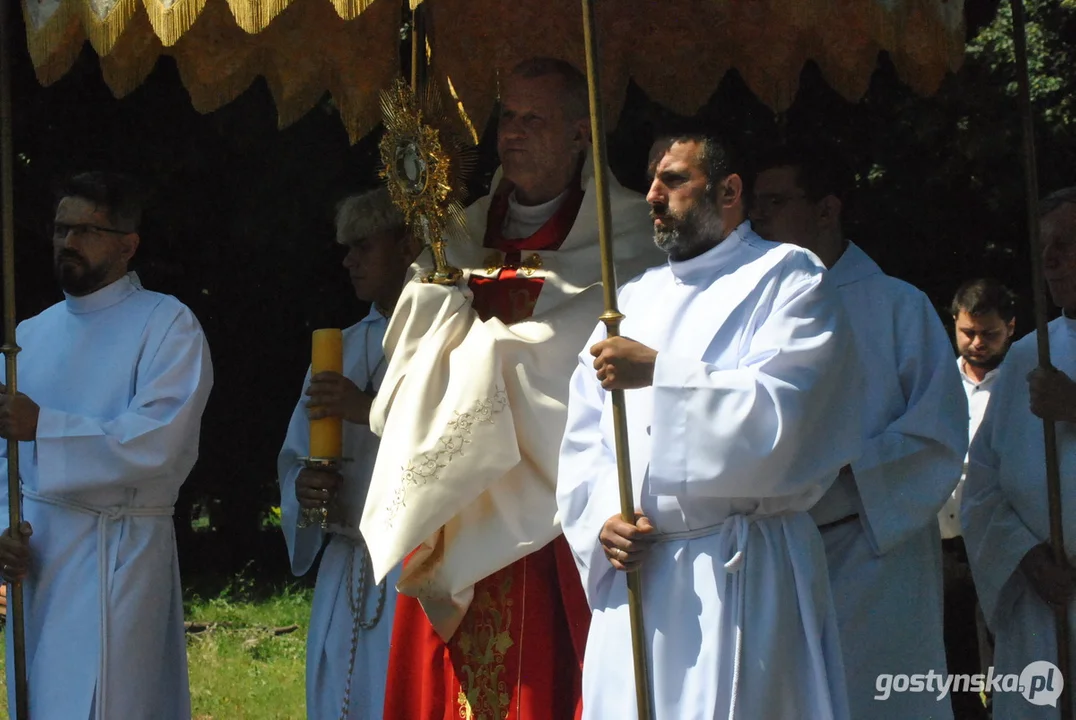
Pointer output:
x,y
418,47
15,610
612,317
1053,475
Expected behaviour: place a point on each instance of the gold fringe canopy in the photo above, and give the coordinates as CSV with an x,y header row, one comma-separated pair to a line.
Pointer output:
x,y
349,48
676,50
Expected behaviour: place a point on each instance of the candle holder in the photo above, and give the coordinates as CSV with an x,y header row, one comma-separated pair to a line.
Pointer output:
x,y
320,516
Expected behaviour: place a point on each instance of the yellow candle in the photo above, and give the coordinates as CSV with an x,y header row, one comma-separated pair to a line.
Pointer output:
x,y
327,434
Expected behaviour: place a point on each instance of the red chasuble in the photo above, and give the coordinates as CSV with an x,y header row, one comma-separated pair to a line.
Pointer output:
x,y
518,654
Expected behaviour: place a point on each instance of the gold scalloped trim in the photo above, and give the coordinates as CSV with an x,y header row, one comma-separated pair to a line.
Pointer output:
x,y
350,9
55,46
923,37
357,120
169,22
255,15
104,32
132,59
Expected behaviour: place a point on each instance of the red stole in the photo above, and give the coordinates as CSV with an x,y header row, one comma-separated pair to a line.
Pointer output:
x,y
518,653
511,295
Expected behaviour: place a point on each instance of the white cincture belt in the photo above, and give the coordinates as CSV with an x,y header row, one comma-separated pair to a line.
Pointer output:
x,y
733,530
732,533
104,515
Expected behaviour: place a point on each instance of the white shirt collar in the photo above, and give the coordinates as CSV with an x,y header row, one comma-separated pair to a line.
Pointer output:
x,y
528,219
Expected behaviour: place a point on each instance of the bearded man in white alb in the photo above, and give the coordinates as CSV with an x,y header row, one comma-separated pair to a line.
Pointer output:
x,y
347,646
739,378
1004,512
879,520
115,379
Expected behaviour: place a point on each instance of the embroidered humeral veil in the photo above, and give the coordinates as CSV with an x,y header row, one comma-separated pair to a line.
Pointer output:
x,y
471,412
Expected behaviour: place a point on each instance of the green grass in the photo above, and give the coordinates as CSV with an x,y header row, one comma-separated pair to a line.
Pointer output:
x,y
239,669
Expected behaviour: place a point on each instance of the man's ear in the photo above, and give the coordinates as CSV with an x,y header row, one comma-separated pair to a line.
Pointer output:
x,y
1011,327
830,210
581,135
129,246
730,191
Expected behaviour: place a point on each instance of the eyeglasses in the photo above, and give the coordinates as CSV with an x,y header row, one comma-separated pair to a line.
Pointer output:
x,y
60,230
775,202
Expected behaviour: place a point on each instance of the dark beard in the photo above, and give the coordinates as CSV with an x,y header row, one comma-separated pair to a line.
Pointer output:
x,y
989,364
78,279
689,235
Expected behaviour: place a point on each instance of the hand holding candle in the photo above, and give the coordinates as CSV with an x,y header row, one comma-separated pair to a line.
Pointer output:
x,y
327,433
333,395
316,489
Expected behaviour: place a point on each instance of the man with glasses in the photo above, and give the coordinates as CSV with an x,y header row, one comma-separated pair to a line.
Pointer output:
x,y
116,379
879,519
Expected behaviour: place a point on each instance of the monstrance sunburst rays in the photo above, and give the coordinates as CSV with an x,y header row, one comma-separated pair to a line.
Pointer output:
x,y
426,161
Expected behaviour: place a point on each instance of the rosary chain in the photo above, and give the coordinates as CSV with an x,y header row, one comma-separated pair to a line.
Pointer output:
x,y
357,600
357,604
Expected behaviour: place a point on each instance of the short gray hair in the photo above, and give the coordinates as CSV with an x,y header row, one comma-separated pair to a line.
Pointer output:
x,y
365,214
1064,196
576,90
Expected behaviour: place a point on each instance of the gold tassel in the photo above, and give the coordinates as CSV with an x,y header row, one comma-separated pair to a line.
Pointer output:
x,y
54,46
170,23
104,32
255,15
350,9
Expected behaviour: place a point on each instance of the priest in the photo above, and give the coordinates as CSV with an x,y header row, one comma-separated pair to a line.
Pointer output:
x,y
115,379
1005,511
347,645
738,382
491,619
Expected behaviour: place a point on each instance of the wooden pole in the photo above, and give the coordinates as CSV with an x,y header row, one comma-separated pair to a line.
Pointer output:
x,y
1053,475
612,317
16,613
